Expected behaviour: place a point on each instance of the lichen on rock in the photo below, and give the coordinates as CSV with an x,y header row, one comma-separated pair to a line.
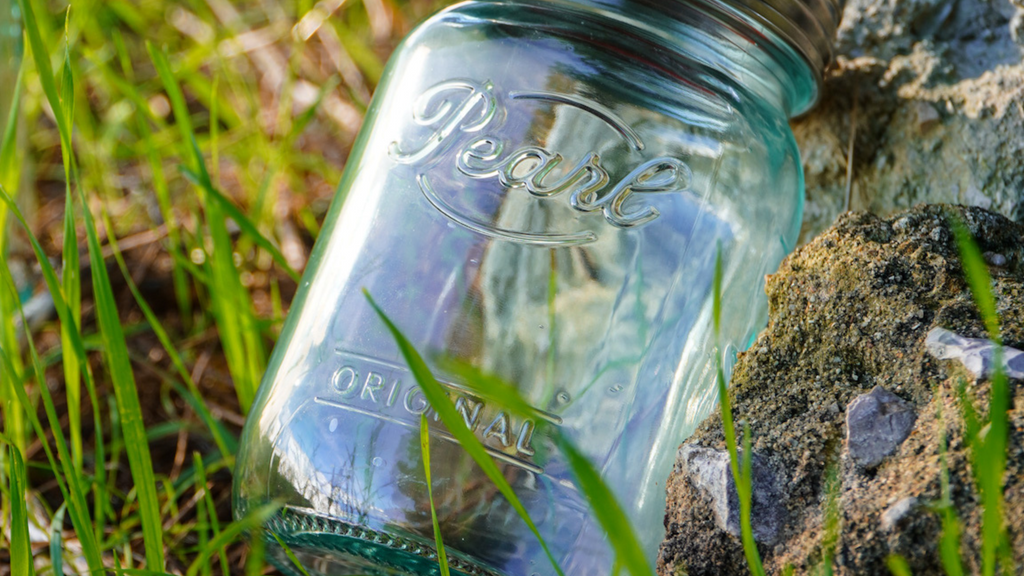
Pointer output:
x,y
848,312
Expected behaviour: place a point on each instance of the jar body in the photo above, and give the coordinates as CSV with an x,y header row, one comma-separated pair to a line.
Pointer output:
x,y
529,196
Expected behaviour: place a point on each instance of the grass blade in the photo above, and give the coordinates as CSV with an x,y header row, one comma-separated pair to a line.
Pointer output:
x,y
10,410
172,352
250,522
243,222
255,561
832,515
490,387
70,265
57,541
898,565
115,347
123,380
182,293
949,543
8,145
291,555
73,490
988,453
628,551
21,548
606,508
741,477
70,483
46,78
236,323
441,404
442,557
211,509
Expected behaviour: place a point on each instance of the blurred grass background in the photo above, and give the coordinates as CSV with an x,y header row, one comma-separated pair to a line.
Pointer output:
x,y
175,289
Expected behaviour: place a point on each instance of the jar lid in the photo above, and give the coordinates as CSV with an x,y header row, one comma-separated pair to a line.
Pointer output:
x,y
808,25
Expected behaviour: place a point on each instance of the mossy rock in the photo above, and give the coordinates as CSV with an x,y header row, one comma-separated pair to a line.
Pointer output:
x,y
850,311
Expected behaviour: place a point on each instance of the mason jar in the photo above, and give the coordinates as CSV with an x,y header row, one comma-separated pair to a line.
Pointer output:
x,y
539,190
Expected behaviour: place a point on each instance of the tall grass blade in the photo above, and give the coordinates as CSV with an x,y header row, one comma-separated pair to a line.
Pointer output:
x,y
239,332
629,553
988,453
606,508
21,548
291,555
10,409
243,222
441,404
70,482
42,60
57,541
949,543
179,365
255,561
741,476
8,145
490,387
73,490
211,510
442,557
251,521
832,514
70,266
182,293
123,381
115,348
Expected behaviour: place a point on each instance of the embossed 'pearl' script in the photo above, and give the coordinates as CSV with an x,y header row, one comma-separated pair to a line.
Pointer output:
x,y
460,111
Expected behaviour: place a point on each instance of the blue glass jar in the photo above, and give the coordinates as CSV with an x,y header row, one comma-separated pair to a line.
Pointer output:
x,y
538,190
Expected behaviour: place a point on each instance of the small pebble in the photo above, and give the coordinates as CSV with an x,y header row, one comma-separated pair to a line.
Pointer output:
x,y
995,259
897,512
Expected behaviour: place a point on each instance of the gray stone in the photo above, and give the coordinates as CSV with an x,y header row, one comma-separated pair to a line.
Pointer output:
x,y
976,354
709,471
876,424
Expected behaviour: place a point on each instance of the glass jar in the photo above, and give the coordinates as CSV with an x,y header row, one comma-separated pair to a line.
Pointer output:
x,y
539,190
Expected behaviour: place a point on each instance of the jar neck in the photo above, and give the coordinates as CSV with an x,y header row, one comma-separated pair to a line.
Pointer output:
x,y
723,39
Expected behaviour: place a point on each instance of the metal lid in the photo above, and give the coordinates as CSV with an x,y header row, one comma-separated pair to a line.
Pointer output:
x,y
808,25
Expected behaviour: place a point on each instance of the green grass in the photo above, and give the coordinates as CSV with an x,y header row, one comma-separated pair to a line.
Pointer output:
x,y
115,398
988,450
832,519
442,556
741,468
603,503
445,409
14,492
898,565
949,544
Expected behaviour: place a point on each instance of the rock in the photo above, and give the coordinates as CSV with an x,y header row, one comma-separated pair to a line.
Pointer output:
x,y
897,512
709,471
876,424
932,92
976,354
850,311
